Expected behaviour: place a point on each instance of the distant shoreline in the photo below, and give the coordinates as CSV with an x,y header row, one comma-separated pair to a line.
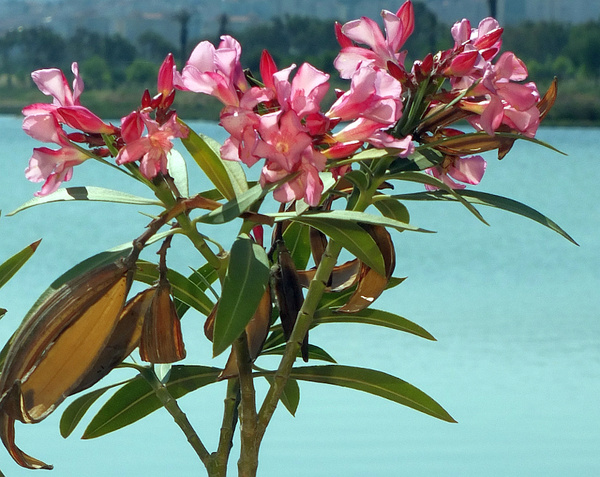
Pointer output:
x,y
572,108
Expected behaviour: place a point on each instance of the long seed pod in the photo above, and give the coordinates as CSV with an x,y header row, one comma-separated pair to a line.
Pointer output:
x,y
289,293
124,339
58,346
162,340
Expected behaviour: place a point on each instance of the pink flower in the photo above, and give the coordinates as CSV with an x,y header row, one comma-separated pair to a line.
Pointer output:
x,y
306,185
52,82
486,38
508,102
53,167
305,92
469,170
65,104
374,95
217,72
242,125
151,150
283,139
398,28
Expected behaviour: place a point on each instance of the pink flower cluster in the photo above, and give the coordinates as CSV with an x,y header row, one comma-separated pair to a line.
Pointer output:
x,y
281,121
45,123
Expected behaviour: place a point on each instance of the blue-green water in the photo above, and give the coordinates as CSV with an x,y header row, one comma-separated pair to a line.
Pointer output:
x,y
514,308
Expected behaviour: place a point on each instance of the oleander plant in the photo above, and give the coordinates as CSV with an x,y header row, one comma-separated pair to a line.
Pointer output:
x,y
332,178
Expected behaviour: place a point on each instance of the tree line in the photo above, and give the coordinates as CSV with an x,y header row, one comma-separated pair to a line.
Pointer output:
x,y
571,52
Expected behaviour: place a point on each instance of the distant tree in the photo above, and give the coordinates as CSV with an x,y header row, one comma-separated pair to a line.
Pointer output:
x,y
141,72
154,47
96,72
183,17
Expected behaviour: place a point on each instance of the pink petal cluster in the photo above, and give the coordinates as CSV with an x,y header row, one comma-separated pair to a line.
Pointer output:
x,y
150,149
285,136
215,71
468,170
44,122
381,50
506,100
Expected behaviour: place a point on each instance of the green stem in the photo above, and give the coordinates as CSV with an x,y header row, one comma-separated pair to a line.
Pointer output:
x,y
170,404
230,417
248,462
305,317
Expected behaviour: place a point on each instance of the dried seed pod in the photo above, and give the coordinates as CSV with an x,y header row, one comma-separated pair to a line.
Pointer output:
x,y
124,339
370,283
289,294
162,340
57,347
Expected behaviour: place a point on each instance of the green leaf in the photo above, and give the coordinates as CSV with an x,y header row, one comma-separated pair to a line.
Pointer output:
x,y
234,169
243,287
391,208
371,317
297,240
290,396
73,414
235,207
349,216
209,161
417,161
90,193
349,235
182,287
314,352
359,179
11,266
136,399
424,178
373,382
178,171
202,278
491,200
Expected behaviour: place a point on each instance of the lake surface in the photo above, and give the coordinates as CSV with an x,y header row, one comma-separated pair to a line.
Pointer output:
x,y
514,308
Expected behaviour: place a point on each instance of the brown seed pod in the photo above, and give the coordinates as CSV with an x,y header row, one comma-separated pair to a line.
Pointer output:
x,y
289,294
370,283
57,347
162,340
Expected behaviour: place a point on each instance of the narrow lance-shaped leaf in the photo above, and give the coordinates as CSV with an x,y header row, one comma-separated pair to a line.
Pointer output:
x,y
349,235
137,399
370,316
373,382
14,263
244,284
75,411
183,288
210,162
423,178
491,200
90,193
314,352
290,396
178,171
297,241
